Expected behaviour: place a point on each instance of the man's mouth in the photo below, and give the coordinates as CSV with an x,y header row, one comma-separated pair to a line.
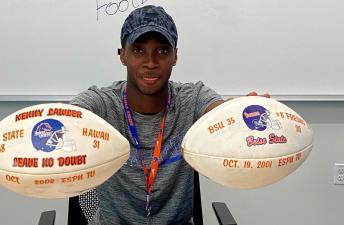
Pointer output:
x,y
149,78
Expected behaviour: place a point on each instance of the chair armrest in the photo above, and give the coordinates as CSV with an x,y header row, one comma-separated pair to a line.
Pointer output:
x,y
223,214
47,218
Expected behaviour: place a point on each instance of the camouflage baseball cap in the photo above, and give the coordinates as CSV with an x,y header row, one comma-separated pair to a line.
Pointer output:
x,y
146,19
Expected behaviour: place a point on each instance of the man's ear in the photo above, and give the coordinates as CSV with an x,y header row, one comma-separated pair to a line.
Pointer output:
x,y
175,57
121,53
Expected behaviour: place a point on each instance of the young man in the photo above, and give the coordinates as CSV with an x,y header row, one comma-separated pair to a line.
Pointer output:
x,y
155,186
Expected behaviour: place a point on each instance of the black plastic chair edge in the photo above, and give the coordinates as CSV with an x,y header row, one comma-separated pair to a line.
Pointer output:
x,y
47,218
197,208
75,214
223,215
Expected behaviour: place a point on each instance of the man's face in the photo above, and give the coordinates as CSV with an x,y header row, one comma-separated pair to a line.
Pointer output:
x,y
149,63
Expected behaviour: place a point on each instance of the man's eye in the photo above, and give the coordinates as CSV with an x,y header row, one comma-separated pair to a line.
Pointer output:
x,y
163,51
137,51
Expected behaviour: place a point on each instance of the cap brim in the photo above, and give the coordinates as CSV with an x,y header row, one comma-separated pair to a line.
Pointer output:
x,y
149,28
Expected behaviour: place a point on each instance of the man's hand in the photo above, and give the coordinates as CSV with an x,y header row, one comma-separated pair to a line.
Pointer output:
x,y
252,93
217,103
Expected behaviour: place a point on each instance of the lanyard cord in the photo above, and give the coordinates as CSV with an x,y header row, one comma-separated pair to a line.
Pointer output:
x,y
151,173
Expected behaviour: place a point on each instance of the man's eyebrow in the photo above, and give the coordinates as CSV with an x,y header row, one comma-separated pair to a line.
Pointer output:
x,y
136,45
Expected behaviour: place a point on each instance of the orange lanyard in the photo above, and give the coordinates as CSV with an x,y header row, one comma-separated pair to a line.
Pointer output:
x,y
150,174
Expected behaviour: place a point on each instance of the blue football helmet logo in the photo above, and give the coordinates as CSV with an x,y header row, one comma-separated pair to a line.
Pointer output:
x,y
49,135
258,118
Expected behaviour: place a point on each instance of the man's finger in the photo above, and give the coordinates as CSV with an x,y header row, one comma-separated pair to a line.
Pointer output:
x,y
266,95
252,93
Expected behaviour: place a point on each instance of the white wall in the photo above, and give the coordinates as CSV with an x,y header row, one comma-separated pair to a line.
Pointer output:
x,y
306,197
290,47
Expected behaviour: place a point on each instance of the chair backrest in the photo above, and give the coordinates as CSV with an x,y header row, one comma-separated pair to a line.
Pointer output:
x,y
75,214
197,210
47,218
77,217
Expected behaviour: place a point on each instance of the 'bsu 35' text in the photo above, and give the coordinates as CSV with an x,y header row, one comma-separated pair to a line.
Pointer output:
x,y
116,6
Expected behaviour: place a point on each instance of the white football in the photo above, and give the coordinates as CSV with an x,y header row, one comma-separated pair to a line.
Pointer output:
x,y
58,151
248,142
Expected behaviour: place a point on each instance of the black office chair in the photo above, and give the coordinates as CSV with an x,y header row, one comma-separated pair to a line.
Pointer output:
x,y
76,216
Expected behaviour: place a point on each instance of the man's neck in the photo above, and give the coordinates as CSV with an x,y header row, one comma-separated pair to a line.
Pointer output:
x,y
146,104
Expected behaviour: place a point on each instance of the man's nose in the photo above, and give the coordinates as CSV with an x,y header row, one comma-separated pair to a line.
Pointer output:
x,y
151,60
